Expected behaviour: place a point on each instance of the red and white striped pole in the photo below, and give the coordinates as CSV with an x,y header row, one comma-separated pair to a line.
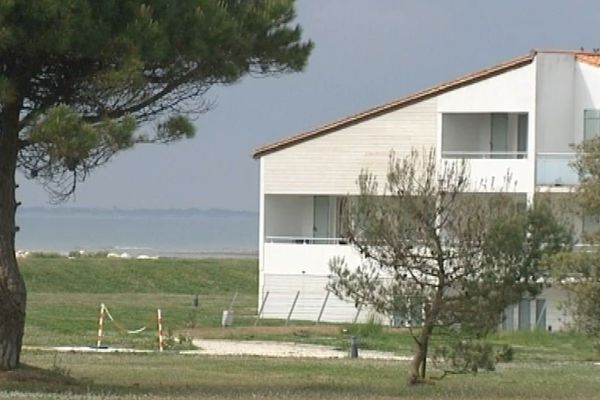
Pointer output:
x,y
160,331
100,326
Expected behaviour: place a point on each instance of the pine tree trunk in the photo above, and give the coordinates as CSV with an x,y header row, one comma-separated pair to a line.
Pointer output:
x,y
13,295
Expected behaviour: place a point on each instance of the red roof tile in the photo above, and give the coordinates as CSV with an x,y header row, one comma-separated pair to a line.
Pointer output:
x,y
592,59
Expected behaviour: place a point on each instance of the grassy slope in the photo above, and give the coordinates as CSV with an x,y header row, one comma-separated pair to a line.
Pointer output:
x,y
65,295
173,276
63,303
189,377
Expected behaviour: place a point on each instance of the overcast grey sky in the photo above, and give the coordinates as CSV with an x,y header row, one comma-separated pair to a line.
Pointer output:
x,y
366,52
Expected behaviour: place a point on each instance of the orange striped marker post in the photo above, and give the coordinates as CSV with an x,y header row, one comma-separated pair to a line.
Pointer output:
x,y
160,331
100,326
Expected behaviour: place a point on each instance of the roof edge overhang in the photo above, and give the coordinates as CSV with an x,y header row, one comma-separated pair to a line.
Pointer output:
x,y
413,98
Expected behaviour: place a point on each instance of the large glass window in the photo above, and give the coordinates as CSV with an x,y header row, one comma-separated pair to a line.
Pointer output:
x,y
499,135
321,217
540,314
591,124
591,225
525,314
522,129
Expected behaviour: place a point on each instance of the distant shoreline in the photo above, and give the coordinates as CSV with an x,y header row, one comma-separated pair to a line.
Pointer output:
x,y
183,233
137,212
141,253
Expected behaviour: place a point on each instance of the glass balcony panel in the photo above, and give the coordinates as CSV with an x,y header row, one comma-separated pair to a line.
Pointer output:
x,y
554,169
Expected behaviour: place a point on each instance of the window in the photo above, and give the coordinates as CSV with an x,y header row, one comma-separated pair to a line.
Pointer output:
x,y
499,135
525,314
341,217
591,124
508,317
591,226
540,314
321,216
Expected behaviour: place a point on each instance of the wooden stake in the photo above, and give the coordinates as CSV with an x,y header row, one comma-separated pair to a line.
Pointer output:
x,y
100,326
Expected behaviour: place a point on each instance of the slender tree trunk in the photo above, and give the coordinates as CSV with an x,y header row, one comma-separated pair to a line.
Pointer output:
x,y
13,295
418,365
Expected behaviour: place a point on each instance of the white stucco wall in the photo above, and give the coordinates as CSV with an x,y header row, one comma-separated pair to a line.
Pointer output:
x,y
331,164
587,95
313,259
500,175
556,317
555,94
512,91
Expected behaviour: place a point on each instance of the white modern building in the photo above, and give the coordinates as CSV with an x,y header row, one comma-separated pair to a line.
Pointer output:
x,y
521,117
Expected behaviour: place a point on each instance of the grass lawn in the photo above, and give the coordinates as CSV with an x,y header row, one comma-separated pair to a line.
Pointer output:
x,y
74,376
64,297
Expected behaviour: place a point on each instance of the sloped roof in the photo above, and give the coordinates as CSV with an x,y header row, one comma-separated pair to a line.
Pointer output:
x,y
417,97
592,59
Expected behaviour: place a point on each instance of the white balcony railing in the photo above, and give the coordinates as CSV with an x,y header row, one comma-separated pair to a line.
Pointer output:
x,y
310,259
554,169
304,240
498,174
484,154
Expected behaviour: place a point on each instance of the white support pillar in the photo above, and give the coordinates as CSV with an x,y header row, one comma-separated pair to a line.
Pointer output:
x,y
531,139
439,145
530,198
261,232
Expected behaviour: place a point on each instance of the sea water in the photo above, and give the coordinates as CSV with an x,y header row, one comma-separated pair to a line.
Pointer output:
x,y
177,234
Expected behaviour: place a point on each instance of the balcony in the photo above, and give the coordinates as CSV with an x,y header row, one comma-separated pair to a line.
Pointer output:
x,y
554,169
495,146
304,240
305,255
485,135
485,155
493,171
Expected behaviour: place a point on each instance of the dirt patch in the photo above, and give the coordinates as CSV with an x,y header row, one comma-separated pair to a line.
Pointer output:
x,y
85,349
250,331
34,375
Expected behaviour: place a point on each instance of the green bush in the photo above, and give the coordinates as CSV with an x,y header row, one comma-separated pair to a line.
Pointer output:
x,y
505,354
464,356
42,254
370,329
83,254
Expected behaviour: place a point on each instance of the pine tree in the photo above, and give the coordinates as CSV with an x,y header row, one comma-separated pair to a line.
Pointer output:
x,y
77,77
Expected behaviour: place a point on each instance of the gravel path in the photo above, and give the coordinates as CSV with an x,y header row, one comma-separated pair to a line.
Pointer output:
x,y
281,349
215,347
